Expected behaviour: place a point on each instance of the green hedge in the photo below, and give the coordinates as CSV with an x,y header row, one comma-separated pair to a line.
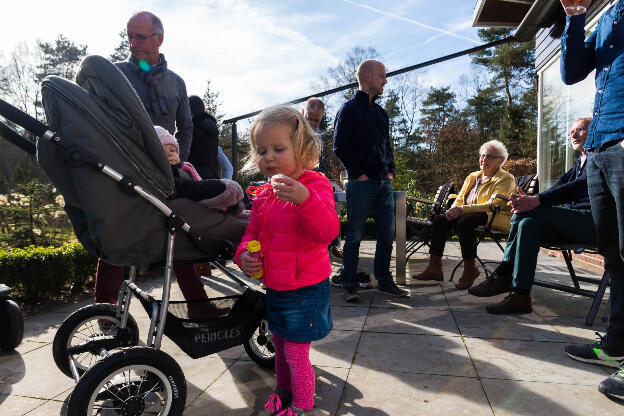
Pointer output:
x,y
36,273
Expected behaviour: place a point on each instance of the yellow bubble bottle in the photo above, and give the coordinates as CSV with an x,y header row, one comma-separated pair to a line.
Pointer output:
x,y
254,250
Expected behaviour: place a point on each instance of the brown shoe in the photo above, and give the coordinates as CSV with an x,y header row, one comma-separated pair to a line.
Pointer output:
x,y
433,271
514,303
471,271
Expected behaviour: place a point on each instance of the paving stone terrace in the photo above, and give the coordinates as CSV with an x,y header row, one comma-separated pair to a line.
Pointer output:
x,y
434,353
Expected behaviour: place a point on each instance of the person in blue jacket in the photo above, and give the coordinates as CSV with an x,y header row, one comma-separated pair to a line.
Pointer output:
x,y
537,220
603,52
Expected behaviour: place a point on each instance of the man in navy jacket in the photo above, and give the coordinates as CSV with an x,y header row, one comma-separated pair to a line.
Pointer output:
x,y
536,220
362,144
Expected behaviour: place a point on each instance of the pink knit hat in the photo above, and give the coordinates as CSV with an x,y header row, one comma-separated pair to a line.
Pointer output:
x,y
165,137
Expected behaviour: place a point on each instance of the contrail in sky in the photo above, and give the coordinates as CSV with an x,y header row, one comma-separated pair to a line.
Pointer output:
x,y
415,22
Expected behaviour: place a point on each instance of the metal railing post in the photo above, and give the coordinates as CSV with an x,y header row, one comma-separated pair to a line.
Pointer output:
x,y
234,152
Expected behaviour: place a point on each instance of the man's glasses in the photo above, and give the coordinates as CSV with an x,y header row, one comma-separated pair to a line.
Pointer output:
x,y
579,130
140,37
489,157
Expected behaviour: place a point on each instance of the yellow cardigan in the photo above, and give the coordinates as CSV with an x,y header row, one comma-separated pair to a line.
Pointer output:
x,y
501,183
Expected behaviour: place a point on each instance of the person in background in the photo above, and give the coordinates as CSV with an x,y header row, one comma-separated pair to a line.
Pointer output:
x,y
470,210
603,52
205,145
314,111
362,144
162,91
163,94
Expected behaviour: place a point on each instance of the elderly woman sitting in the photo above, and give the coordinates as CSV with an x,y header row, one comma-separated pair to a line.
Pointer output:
x,y
470,210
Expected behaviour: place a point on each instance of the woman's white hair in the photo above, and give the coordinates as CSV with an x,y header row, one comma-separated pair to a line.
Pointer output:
x,y
500,148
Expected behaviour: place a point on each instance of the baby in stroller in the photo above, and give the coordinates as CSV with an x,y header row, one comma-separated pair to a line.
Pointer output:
x,y
221,194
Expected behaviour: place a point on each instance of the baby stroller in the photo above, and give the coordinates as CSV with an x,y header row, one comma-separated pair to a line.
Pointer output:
x,y
103,155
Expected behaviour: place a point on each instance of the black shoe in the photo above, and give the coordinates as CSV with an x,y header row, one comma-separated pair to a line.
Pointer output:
x,y
492,286
335,280
512,304
364,280
351,295
614,385
392,289
595,353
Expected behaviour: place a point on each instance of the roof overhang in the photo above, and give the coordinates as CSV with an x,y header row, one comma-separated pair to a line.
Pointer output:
x,y
500,13
527,16
534,19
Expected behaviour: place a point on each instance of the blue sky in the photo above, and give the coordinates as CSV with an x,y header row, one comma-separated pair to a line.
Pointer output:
x,y
257,53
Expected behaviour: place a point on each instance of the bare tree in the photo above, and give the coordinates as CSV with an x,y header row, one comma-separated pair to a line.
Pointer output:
x,y
18,83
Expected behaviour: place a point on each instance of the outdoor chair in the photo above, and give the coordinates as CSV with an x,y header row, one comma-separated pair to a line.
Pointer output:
x,y
602,283
529,185
421,227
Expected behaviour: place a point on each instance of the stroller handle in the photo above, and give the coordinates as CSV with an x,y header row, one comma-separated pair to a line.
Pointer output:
x,y
22,119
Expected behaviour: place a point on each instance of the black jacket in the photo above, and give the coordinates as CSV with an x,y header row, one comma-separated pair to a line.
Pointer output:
x,y
570,190
362,138
204,151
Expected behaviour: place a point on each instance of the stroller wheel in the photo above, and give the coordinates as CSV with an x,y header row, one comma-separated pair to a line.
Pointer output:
x,y
11,325
131,381
259,346
92,330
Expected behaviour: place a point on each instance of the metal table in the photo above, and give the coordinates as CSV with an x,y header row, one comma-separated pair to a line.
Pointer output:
x,y
400,206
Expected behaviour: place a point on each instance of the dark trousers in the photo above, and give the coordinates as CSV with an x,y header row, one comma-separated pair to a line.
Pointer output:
x,y
605,182
363,197
541,225
465,225
108,280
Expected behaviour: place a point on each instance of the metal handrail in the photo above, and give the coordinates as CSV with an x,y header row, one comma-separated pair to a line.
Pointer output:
x,y
233,120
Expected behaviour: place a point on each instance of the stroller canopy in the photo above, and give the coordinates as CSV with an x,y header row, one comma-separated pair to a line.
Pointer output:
x,y
102,113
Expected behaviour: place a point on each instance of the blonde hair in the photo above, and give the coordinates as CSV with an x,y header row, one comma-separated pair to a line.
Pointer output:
x,y
306,143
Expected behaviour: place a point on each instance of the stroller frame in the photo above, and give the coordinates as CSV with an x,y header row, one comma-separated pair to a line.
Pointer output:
x,y
127,332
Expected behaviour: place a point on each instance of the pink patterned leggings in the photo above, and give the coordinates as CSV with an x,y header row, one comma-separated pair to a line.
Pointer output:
x,y
294,371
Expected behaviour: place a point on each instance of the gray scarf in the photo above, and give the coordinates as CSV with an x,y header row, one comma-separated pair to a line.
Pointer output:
x,y
157,97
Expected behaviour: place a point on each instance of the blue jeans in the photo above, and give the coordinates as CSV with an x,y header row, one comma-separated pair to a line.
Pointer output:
x,y
605,182
362,197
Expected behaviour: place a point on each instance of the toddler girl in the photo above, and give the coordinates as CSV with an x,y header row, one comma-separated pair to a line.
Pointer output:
x,y
294,219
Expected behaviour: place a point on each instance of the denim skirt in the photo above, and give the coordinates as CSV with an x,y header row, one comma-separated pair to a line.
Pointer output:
x,y
300,315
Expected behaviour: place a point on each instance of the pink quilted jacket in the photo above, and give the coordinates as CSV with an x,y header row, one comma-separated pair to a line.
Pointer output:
x,y
294,238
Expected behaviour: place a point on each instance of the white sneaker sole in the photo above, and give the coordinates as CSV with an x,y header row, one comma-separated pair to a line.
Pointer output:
x,y
615,363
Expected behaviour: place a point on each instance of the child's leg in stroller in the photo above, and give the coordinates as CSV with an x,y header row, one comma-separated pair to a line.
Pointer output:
x,y
190,282
282,370
301,372
108,280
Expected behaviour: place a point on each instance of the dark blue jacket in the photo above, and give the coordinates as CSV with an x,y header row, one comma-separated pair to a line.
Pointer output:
x,y
603,51
570,191
362,138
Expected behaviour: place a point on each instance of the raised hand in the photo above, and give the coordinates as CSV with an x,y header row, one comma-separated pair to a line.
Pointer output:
x,y
571,3
290,190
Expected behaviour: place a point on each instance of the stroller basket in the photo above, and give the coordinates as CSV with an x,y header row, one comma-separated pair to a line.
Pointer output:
x,y
204,327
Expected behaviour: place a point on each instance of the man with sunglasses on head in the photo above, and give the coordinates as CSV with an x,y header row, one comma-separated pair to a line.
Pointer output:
x,y
560,214
162,91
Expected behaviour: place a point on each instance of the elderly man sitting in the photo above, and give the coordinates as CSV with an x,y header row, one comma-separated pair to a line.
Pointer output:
x,y
537,221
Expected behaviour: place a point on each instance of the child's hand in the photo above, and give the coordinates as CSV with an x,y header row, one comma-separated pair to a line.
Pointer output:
x,y
250,265
289,190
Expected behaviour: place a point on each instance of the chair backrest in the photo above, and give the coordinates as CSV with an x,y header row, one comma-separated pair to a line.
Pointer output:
x,y
442,196
529,184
